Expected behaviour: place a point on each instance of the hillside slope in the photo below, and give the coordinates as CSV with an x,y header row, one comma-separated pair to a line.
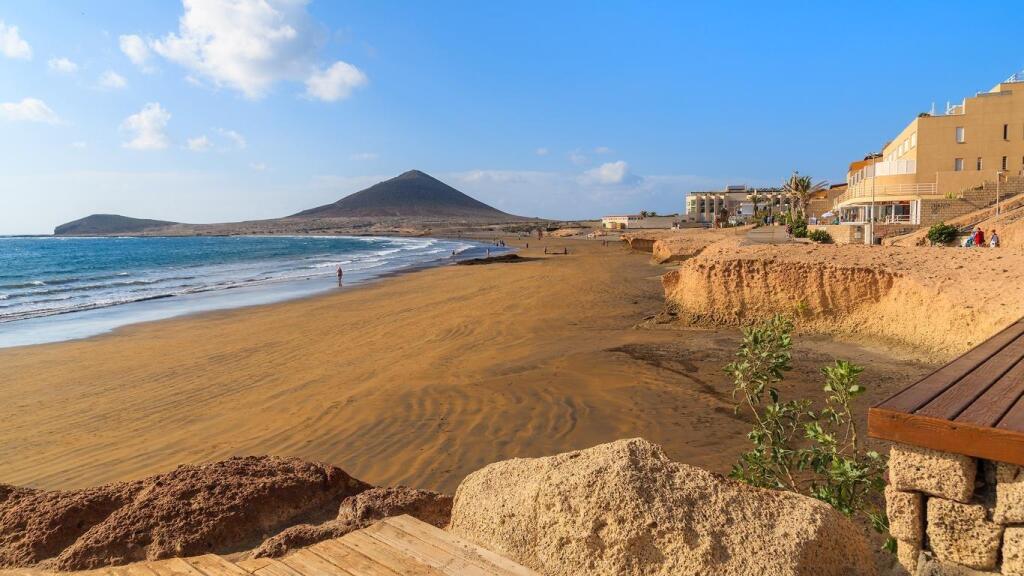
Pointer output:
x,y
411,194
101,224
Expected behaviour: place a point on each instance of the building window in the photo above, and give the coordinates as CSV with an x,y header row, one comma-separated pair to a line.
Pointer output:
x,y
1004,164
960,134
1006,131
958,165
979,163
913,140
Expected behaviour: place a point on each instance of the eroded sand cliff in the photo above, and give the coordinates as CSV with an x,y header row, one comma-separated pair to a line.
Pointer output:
x,y
936,302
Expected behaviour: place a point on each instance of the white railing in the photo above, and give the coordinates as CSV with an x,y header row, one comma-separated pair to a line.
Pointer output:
x,y
864,191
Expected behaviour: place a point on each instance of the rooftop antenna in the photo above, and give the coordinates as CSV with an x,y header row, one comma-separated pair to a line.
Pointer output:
x,y
932,111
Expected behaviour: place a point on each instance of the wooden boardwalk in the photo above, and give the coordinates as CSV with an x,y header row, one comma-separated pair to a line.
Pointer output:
x,y
974,405
396,546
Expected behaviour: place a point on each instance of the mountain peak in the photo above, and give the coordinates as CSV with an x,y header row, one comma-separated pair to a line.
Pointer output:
x,y
410,194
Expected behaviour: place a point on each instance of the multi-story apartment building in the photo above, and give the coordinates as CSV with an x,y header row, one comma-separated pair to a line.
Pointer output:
x,y
941,166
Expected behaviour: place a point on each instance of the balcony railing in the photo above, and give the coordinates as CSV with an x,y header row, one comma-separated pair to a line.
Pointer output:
x,y
887,168
862,192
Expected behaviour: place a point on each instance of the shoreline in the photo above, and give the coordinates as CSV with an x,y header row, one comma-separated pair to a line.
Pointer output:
x,y
70,325
417,382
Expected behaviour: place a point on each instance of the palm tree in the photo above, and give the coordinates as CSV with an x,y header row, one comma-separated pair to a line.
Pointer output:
x,y
802,188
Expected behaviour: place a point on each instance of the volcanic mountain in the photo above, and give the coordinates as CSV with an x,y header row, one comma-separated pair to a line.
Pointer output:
x,y
108,224
413,194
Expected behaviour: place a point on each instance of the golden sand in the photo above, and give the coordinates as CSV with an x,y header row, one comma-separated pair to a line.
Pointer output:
x,y
418,380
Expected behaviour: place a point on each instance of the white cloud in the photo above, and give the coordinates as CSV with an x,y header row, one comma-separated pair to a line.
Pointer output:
x,y
135,48
335,83
111,80
235,137
577,157
12,45
602,150
609,173
364,156
199,144
28,110
541,152
80,145
147,128
62,65
258,166
250,45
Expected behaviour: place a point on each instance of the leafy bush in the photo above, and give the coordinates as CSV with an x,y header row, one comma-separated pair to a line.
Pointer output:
x,y
820,236
815,452
942,233
799,229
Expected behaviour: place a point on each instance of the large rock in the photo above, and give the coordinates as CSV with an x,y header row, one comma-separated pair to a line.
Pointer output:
x,y
625,508
221,507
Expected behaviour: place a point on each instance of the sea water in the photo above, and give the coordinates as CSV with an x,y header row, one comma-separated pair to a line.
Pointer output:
x,y
58,288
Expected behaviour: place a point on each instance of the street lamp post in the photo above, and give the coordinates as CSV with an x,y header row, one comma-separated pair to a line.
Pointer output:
x,y
871,217
999,179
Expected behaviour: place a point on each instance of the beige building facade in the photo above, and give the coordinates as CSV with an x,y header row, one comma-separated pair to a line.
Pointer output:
x,y
937,159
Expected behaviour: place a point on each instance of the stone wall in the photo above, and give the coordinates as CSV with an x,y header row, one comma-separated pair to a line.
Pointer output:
x,y
953,514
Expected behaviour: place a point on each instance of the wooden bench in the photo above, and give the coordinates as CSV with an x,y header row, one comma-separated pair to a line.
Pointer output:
x,y
973,406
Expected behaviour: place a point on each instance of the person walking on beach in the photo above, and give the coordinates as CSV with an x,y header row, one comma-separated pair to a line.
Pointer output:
x,y
993,241
979,237
340,274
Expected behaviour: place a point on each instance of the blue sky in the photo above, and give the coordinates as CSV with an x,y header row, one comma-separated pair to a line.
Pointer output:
x,y
217,110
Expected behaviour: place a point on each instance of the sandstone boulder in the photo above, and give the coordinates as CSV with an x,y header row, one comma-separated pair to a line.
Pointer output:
x,y
221,507
625,508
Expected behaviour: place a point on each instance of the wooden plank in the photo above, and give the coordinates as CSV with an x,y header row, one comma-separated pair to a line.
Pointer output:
x,y
309,564
426,553
1013,420
251,565
989,408
387,557
948,436
134,569
956,398
916,396
458,546
213,565
173,567
356,563
276,568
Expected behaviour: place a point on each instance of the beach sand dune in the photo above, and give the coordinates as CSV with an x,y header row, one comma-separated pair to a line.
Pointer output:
x,y
417,380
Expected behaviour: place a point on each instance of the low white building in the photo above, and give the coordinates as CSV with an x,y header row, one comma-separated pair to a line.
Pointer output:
x,y
640,221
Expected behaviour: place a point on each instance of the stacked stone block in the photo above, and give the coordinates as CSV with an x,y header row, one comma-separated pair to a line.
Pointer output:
x,y
955,515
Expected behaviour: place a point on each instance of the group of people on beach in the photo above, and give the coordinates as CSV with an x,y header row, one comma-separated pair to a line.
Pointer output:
x,y
977,239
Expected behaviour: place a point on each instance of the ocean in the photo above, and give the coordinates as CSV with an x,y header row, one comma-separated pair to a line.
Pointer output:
x,y
58,288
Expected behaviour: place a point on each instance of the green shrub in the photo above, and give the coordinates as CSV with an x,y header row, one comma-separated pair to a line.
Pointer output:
x,y
799,229
942,233
796,447
820,236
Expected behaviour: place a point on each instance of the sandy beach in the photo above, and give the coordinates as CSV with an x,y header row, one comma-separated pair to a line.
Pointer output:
x,y
417,380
